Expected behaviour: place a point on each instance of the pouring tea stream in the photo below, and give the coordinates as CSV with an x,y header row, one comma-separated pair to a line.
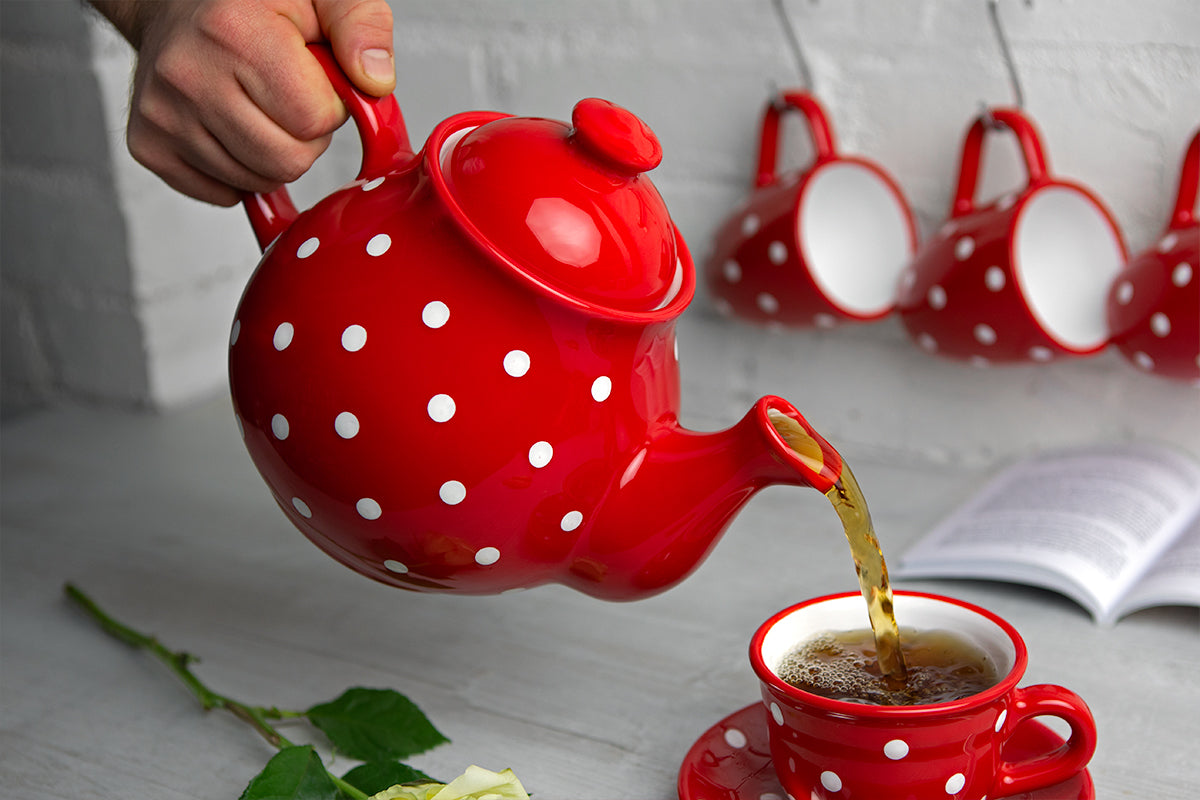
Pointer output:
x,y
458,373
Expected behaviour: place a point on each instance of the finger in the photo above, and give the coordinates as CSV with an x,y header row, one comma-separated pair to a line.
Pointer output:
x,y
183,177
360,32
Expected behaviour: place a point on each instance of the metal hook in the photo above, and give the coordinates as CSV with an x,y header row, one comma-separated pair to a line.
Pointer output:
x,y
793,40
1009,63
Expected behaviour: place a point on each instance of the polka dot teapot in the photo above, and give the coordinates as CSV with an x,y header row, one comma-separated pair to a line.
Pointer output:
x,y
459,372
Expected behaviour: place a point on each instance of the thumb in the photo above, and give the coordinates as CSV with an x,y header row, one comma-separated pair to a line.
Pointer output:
x,y
360,33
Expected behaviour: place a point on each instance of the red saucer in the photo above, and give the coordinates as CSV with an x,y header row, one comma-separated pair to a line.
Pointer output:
x,y
732,761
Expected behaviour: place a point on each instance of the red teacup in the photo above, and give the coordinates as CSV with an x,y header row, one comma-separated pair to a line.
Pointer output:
x,y
1154,304
826,749
812,247
1023,278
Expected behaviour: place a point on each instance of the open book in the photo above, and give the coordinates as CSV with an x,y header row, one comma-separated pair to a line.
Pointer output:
x,y
1114,527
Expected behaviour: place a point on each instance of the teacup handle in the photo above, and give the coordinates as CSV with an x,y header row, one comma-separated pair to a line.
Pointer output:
x,y
818,128
1189,185
381,130
1013,778
1031,150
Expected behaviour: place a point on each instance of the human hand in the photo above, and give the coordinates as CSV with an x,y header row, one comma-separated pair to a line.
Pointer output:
x,y
226,97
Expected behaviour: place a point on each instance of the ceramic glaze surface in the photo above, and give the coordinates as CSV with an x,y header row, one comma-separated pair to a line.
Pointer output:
x,y
445,400
1022,278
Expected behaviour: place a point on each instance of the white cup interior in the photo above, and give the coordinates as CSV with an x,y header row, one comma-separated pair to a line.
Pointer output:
x,y
855,236
1066,255
923,613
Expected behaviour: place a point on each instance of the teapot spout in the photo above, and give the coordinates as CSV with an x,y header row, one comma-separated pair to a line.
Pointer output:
x,y
678,494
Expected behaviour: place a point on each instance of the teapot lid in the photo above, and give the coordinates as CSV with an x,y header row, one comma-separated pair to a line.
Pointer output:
x,y
567,205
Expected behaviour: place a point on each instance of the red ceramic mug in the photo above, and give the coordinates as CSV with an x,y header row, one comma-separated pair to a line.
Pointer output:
x,y
816,246
826,749
1022,278
1154,304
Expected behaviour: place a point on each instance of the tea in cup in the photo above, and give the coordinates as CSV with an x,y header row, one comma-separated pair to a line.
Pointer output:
x,y
813,247
906,743
1022,278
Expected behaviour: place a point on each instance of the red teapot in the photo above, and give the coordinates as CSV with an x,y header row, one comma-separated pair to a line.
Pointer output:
x,y
459,372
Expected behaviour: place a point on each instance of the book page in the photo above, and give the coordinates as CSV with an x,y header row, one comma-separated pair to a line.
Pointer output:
x,y
1174,579
1086,522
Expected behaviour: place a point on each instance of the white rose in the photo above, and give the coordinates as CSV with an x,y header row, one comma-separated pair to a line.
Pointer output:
x,y
474,784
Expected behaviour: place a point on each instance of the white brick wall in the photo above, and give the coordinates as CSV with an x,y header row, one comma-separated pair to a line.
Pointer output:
x,y
1114,86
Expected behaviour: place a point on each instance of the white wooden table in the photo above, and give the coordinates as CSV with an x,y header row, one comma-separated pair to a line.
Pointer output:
x,y
163,520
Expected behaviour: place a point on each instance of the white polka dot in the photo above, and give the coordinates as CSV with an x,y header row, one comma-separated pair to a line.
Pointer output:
x,y
516,363
956,783
927,343
831,781
452,493
396,566
936,297
1000,720
353,338
963,248
283,335
750,224
1182,274
1039,353
777,253
767,303
540,454
601,388
1160,323
379,244
1143,360
777,713
374,183
571,520
346,425
732,271
301,508
280,427
308,247
441,407
984,334
435,314
368,508
896,749
1124,292
235,333
826,321
735,738
1167,242
487,556
994,279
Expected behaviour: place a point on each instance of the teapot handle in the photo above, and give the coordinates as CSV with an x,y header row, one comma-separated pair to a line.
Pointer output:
x,y
1023,128
1189,186
818,127
385,146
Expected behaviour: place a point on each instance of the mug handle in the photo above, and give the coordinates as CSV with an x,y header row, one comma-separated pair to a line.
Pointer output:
x,y
1030,142
1059,764
1189,185
818,128
381,130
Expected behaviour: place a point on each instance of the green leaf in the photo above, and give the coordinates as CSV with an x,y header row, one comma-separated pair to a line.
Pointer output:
x,y
375,776
294,773
375,725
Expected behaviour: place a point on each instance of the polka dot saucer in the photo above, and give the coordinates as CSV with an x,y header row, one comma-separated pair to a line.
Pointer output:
x,y
732,761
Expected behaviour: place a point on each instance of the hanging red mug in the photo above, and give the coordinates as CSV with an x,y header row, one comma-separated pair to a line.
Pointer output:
x,y
812,247
1154,304
1021,278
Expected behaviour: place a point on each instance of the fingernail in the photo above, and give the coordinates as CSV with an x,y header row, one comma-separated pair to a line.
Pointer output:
x,y
377,63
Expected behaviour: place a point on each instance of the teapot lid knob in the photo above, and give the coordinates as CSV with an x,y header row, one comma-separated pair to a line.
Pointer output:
x,y
614,136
